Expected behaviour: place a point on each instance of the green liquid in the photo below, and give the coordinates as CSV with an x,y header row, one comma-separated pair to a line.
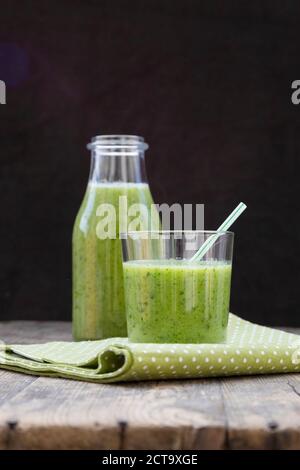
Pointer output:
x,y
176,301
98,290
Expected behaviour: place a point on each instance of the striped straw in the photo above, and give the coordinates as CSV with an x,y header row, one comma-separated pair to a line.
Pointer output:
x,y
225,226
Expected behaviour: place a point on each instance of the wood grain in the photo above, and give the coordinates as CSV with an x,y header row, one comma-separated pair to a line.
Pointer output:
x,y
263,412
237,413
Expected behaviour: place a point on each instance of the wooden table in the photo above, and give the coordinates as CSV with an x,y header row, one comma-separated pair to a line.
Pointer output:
x,y
261,412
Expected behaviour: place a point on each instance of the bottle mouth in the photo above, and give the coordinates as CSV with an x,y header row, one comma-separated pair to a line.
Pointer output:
x,y
118,142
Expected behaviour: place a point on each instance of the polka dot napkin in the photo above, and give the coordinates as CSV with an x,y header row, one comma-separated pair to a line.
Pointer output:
x,y
250,349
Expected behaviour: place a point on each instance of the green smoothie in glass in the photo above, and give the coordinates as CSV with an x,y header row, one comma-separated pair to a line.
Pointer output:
x,y
169,297
177,302
98,291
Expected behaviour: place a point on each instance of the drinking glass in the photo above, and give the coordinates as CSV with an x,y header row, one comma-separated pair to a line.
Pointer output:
x,y
171,299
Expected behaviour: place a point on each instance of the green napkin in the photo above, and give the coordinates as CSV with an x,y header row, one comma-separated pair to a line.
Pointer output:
x,y
249,349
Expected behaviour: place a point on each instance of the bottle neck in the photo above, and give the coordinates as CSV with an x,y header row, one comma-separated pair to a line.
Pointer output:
x,y
126,167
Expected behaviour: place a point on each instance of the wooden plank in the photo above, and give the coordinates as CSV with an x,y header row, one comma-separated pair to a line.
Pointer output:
x,y
11,332
34,331
62,414
240,413
158,415
263,412
11,384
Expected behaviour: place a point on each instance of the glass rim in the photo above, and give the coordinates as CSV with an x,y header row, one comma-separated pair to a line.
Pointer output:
x,y
163,232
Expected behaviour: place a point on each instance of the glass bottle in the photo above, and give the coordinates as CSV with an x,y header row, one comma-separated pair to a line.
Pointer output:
x,y
117,169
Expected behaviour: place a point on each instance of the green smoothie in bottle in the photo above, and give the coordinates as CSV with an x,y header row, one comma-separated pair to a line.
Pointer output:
x,y
117,170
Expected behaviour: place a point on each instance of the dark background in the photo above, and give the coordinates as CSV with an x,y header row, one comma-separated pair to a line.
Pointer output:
x,y
207,83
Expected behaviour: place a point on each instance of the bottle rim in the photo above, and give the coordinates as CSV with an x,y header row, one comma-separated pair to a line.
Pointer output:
x,y
118,142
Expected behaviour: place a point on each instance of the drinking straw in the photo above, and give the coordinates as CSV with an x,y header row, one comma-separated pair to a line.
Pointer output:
x,y
225,226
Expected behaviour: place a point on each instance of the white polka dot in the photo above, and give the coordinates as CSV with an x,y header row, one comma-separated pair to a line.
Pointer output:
x,y
140,359
245,359
225,352
269,361
249,367
199,351
173,351
212,351
211,367
257,360
281,361
232,359
236,368
238,351
145,367
285,367
272,368
158,367
185,367
185,351
219,359
198,367
207,359
261,367
275,353
167,359
180,359
250,352
287,353
194,359
172,367
224,367
262,353
153,359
